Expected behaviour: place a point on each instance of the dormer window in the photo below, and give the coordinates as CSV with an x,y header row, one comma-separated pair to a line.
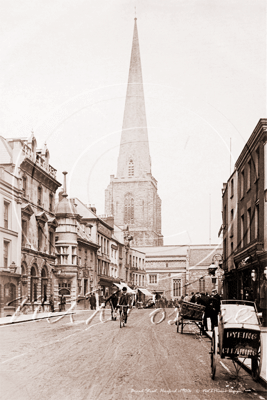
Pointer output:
x,y
131,168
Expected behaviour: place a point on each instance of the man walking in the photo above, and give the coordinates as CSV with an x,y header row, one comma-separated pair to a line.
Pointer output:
x,y
93,302
215,308
113,300
125,301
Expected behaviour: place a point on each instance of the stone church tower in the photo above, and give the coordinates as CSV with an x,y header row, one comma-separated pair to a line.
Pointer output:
x,y
132,195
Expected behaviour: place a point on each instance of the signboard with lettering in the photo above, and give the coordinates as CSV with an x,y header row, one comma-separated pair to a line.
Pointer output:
x,y
240,342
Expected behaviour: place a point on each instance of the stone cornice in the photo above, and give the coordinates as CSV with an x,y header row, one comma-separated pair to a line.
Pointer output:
x,y
39,174
8,231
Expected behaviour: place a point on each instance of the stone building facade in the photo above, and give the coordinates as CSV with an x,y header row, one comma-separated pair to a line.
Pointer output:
x,y
37,224
204,271
166,270
245,280
132,195
173,271
229,233
10,238
75,270
109,256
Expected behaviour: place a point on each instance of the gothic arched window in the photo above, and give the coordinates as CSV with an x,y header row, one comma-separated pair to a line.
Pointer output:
x,y
128,209
131,168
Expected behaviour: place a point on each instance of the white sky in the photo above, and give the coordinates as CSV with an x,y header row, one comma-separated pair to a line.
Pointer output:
x,y
64,69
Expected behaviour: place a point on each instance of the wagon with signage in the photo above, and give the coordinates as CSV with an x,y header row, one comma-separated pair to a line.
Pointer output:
x,y
190,313
237,336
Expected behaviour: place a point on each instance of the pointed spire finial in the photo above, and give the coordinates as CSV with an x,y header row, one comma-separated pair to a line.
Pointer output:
x,y
134,147
135,14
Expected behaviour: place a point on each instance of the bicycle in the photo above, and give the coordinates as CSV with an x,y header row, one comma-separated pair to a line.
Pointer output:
x,y
123,314
113,312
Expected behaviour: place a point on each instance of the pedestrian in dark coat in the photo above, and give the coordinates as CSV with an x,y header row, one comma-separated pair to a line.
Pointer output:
x,y
205,300
194,297
215,308
93,302
43,302
51,302
113,300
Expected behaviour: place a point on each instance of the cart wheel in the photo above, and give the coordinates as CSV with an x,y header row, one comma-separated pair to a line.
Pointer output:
x,y
182,327
256,366
178,323
213,354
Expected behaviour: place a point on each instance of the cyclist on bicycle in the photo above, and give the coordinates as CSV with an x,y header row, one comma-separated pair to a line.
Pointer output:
x,y
113,300
125,300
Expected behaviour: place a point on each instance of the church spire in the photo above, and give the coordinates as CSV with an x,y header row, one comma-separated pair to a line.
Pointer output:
x,y
134,157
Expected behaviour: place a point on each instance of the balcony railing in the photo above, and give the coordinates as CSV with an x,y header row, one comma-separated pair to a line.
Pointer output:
x,y
40,161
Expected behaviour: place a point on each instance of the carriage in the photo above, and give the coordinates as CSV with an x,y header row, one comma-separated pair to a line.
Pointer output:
x,y
190,313
237,336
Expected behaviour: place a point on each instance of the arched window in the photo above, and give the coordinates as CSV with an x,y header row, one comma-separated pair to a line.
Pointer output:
x,y
44,282
131,168
34,282
129,209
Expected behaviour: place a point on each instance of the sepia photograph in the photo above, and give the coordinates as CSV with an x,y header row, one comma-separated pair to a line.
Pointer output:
x,y
133,199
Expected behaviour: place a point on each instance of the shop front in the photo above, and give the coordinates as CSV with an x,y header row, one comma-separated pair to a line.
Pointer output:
x,y
250,275
9,291
143,297
230,285
106,287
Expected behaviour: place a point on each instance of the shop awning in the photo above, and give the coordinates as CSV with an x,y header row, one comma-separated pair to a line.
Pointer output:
x,y
107,280
146,292
121,285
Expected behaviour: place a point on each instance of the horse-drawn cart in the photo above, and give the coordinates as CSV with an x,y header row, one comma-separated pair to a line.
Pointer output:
x,y
237,336
190,313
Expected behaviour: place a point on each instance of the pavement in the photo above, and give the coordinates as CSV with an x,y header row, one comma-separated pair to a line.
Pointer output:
x,y
33,317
